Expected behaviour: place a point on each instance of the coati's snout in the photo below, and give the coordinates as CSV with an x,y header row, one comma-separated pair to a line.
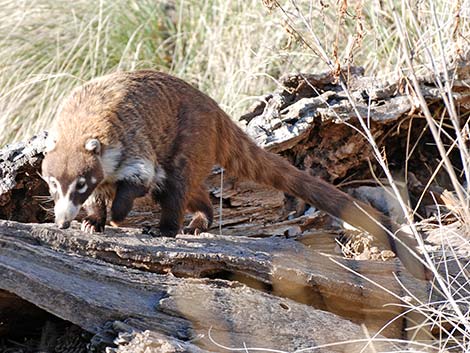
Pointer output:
x,y
68,198
71,186
63,225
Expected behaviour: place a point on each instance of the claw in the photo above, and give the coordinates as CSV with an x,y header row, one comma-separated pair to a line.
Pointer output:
x,y
87,226
90,226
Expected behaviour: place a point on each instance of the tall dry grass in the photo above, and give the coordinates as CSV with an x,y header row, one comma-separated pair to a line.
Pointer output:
x,y
232,50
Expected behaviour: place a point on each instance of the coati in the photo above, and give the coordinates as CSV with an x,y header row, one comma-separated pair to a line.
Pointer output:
x,y
121,136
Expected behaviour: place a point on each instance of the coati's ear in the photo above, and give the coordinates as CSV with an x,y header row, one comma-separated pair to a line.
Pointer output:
x,y
93,145
50,144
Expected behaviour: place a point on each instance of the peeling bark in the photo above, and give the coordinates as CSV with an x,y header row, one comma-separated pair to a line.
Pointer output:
x,y
311,121
22,192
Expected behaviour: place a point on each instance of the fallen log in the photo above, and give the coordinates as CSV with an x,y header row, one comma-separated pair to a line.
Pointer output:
x,y
90,292
281,266
310,120
22,191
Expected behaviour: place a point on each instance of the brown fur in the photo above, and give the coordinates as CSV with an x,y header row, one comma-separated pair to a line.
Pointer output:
x,y
175,126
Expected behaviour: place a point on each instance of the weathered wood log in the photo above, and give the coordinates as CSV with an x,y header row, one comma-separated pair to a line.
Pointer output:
x,y
90,292
22,192
311,121
278,265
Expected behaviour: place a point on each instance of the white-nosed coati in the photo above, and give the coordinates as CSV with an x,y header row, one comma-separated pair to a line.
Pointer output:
x,y
121,136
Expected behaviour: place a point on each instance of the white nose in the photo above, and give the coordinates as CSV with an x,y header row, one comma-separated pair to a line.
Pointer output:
x,y
63,225
65,212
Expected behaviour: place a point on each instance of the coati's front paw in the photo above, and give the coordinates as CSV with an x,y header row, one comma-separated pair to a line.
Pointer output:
x,y
91,225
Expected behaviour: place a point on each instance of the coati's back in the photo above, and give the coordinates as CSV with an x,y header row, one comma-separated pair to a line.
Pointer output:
x,y
123,135
142,111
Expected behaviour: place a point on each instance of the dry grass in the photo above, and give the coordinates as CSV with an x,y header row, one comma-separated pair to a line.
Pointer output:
x,y
232,50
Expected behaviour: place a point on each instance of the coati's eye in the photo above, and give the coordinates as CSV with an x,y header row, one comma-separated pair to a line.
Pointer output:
x,y
52,186
81,185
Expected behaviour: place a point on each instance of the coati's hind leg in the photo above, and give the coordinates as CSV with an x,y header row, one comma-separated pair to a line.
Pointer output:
x,y
200,205
126,193
95,220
